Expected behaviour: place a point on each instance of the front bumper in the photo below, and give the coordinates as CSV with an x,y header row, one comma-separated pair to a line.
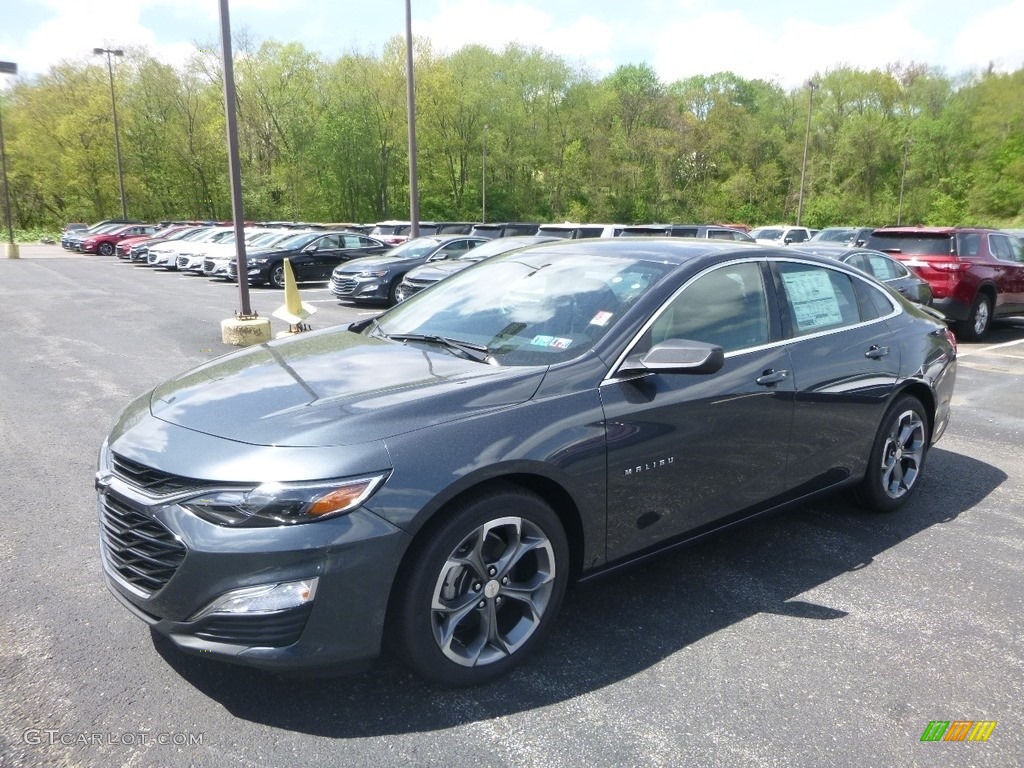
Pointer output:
x,y
360,288
171,563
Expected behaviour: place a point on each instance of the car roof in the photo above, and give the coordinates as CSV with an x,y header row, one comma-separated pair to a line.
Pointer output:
x,y
666,250
929,230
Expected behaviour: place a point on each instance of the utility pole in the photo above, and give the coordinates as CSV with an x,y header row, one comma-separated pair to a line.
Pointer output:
x,y
117,134
811,88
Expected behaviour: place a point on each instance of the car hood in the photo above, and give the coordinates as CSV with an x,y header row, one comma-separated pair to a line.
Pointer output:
x,y
355,266
334,387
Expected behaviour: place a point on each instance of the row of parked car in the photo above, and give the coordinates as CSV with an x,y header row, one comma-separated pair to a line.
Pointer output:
x,y
970,275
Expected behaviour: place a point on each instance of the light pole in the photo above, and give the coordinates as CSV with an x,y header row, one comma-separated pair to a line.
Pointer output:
x,y
7,68
117,134
483,182
811,88
410,88
903,177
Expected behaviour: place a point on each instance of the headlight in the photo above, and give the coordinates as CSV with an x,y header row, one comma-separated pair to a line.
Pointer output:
x,y
256,262
368,273
284,503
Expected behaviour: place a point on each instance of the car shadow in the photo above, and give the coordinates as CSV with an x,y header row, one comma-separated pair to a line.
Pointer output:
x,y
617,627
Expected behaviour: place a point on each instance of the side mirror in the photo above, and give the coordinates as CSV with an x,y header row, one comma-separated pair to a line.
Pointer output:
x,y
438,257
787,241
677,356
309,249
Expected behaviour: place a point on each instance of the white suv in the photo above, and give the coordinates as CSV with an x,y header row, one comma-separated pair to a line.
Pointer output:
x,y
781,235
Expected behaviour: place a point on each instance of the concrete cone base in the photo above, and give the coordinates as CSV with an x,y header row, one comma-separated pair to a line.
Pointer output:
x,y
245,332
11,250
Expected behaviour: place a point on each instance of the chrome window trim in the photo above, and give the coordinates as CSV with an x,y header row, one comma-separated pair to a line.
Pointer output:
x,y
612,377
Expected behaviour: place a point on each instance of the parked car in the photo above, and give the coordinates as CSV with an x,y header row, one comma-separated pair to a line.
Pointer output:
x,y
391,232
74,226
850,236
313,256
883,268
166,254
139,252
446,227
505,229
432,479
215,264
780,235
701,231
377,278
427,274
570,231
104,243
124,249
190,259
69,240
975,274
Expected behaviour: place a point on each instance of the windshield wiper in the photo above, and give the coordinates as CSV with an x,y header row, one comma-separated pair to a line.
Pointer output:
x,y
477,352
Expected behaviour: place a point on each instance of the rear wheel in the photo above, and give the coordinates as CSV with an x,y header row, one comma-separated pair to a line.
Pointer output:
x,y
977,323
897,456
482,588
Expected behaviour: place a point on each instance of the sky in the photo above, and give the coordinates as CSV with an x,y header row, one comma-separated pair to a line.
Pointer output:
x,y
786,41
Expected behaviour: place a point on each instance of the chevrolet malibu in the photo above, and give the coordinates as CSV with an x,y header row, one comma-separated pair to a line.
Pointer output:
x,y
433,479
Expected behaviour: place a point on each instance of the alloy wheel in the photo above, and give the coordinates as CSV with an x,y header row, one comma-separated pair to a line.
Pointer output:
x,y
492,591
902,455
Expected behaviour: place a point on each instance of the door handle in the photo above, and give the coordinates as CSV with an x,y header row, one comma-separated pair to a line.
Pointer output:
x,y
875,352
770,377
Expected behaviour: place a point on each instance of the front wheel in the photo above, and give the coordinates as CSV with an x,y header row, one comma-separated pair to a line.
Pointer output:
x,y
897,456
277,275
977,323
106,249
480,591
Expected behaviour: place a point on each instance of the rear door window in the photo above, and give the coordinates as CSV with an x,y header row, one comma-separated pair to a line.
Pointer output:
x,y
818,298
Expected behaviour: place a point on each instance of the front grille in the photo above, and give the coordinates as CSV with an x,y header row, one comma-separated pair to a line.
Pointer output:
x,y
267,630
412,285
343,286
138,548
149,480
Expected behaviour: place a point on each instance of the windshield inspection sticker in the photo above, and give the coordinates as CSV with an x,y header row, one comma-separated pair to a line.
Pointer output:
x,y
813,298
542,341
601,318
561,343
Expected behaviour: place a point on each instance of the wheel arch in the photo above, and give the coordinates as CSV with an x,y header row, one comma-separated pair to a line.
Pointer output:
x,y
924,394
550,491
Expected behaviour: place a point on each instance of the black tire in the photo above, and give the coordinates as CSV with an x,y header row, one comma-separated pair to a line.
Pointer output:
x,y
106,249
393,291
275,275
897,457
457,622
978,322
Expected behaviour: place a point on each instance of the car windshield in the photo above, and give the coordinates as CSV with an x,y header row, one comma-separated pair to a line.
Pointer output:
x,y
414,249
835,235
536,307
496,247
766,234
923,244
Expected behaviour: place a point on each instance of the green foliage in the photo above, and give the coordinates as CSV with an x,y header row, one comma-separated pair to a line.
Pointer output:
x,y
542,139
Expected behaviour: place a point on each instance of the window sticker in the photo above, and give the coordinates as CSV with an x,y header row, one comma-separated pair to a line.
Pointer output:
x,y
601,318
879,267
559,343
542,341
814,299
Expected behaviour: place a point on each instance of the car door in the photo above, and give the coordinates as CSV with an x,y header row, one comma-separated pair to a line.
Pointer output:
x,y
687,450
317,264
1009,252
845,364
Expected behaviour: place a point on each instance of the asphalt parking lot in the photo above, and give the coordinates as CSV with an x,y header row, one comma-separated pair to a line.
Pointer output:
x,y
820,637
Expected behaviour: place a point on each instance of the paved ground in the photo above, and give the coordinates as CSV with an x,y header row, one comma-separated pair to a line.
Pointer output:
x,y
821,637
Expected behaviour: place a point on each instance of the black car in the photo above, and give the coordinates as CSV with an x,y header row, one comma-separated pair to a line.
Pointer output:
x,y
505,229
313,256
427,274
851,237
880,266
378,279
700,231
432,479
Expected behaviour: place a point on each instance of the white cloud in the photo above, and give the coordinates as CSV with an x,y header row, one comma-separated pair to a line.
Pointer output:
x,y
995,37
497,24
788,52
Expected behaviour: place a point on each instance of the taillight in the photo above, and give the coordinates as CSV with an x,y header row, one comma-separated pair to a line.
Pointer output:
x,y
949,266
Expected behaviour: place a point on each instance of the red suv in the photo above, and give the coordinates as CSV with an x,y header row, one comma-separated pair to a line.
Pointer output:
x,y
975,274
